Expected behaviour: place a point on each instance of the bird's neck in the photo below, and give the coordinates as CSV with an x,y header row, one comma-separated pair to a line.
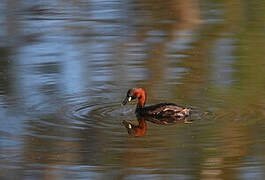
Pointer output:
x,y
141,95
141,128
141,102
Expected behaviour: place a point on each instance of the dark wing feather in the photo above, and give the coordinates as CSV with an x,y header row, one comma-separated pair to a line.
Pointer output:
x,y
163,110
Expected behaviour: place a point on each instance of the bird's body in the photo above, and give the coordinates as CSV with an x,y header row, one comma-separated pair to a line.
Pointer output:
x,y
162,110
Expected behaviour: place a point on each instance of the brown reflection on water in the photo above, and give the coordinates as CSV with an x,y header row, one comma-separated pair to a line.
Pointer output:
x,y
243,100
198,64
139,129
234,148
136,130
47,148
184,14
172,17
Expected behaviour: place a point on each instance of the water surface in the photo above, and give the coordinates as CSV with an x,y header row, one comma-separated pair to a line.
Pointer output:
x,y
66,65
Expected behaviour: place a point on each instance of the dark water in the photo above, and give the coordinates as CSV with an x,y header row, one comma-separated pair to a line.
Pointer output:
x,y
66,65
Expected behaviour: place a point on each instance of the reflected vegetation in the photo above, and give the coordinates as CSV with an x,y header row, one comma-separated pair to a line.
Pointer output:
x,y
64,66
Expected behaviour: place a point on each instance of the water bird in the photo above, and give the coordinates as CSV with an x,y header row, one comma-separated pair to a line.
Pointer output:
x,y
162,110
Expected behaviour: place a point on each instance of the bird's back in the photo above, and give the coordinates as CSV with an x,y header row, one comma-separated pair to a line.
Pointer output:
x,y
164,110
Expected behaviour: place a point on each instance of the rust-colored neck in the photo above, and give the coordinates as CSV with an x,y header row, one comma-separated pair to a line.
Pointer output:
x,y
141,95
141,128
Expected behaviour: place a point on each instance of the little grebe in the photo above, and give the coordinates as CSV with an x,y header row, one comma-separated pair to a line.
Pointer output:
x,y
162,110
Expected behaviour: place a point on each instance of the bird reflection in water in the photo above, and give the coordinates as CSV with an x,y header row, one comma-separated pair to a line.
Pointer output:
x,y
139,129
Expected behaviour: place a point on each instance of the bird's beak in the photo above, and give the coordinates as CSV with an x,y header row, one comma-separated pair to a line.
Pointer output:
x,y
126,100
127,124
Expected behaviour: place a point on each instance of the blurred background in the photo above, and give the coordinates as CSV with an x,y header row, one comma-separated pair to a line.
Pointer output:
x,y
65,66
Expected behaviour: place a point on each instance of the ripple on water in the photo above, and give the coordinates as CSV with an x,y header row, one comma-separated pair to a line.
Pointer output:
x,y
79,125
106,115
